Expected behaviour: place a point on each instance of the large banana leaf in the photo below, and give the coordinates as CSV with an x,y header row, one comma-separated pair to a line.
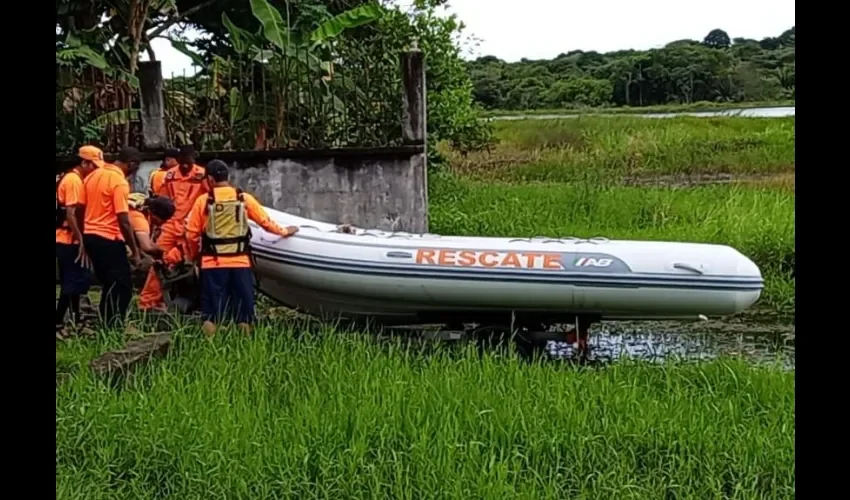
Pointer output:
x,y
76,50
279,33
116,117
239,38
274,28
181,47
353,18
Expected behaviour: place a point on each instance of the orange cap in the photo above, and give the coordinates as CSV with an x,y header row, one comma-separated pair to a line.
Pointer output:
x,y
92,154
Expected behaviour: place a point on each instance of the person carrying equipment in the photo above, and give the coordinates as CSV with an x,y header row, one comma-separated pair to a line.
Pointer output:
x,y
183,183
74,279
157,177
147,215
218,231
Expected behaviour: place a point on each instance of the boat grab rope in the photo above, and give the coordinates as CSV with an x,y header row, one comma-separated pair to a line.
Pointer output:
x,y
377,233
564,239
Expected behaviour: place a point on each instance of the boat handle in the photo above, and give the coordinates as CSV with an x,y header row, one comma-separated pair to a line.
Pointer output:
x,y
686,267
267,240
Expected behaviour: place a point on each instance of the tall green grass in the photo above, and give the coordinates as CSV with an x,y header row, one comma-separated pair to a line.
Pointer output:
x,y
338,416
756,220
567,150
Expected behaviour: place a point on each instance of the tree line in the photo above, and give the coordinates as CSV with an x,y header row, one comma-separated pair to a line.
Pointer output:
x,y
716,69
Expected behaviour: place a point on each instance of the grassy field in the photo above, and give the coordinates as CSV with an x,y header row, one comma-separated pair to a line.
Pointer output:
x,y
626,110
299,413
335,415
715,180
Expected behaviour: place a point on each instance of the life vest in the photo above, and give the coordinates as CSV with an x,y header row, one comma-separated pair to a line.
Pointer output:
x,y
136,201
227,231
61,213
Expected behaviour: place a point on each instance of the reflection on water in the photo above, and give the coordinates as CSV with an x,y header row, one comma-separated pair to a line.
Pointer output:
x,y
776,112
655,341
611,341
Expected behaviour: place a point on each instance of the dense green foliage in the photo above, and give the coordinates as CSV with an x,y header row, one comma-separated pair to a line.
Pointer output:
x,y
686,71
330,415
341,56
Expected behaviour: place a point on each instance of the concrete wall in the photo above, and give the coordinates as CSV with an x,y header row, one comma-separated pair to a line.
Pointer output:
x,y
382,188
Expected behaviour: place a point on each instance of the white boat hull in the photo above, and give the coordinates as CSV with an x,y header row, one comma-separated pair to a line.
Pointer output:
x,y
399,278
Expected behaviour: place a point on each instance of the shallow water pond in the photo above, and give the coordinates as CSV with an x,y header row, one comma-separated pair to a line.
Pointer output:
x,y
658,341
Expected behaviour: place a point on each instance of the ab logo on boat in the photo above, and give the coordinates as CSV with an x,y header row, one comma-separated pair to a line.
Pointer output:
x,y
591,262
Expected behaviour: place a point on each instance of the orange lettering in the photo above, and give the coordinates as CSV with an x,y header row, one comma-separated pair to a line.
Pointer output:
x,y
425,257
511,259
447,257
466,258
552,261
530,258
487,262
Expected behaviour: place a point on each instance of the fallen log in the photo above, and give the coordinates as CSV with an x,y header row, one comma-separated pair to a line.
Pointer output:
x,y
134,353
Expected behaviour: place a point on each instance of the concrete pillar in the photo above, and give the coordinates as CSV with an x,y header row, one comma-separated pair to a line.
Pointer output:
x,y
413,122
153,105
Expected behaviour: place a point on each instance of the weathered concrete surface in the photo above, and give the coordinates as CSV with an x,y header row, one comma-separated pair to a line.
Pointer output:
x,y
383,189
413,111
153,105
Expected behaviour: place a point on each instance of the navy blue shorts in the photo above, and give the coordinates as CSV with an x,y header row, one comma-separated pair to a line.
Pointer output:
x,y
74,279
227,293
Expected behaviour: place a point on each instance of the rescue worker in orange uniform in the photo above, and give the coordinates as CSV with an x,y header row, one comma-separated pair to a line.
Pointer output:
x,y
106,228
183,184
217,230
147,214
157,177
73,263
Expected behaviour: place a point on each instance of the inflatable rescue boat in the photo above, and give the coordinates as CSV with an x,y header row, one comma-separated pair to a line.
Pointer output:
x,y
400,278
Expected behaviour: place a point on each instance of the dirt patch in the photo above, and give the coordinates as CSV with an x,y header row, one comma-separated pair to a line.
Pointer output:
x,y
783,180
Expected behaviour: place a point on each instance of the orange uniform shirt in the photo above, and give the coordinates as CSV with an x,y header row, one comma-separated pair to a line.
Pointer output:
x,y
138,222
106,191
183,189
198,220
70,192
156,180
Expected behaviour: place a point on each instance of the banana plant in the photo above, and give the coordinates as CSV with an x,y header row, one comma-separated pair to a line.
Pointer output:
x,y
284,52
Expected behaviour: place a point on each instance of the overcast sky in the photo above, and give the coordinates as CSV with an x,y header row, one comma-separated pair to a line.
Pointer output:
x,y
542,29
